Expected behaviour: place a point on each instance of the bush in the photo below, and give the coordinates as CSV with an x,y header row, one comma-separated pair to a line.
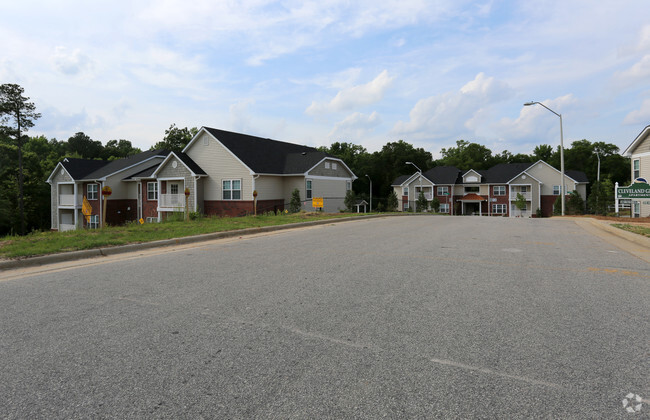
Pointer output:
x,y
294,204
421,204
435,205
392,203
350,199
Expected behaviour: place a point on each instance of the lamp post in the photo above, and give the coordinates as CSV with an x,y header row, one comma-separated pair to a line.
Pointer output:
x,y
561,151
598,156
419,171
370,192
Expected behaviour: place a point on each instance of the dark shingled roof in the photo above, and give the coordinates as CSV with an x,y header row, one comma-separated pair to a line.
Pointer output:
x,y
146,173
504,172
400,179
119,164
444,175
579,176
79,168
266,156
194,167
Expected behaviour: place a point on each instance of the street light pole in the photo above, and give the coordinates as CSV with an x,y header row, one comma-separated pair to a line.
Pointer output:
x,y
598,156
561,151
370,192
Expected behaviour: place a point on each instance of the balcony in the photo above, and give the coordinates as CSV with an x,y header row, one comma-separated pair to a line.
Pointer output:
x,y
68,200
172,201
527,195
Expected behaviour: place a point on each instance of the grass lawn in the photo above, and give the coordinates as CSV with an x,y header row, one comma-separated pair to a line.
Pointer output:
x,y
641,230
41,243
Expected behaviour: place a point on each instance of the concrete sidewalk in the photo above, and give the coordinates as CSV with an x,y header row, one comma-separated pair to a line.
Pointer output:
x,y
633,243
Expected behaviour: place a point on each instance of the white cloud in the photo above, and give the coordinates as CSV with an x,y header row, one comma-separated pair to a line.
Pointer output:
x,y
638,73
240,117
71,62
442,115
639,116
360,95
355,126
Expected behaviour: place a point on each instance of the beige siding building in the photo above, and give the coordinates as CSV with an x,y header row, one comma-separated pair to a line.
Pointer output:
x,y
639,153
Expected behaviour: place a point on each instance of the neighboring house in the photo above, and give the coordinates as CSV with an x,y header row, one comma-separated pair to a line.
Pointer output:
x,y
489,192
639,153
219,169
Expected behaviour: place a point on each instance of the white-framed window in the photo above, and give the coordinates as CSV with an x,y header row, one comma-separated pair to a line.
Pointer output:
x,y
308,190
327,165
334,166
444,207
91,191
499,190
231,189
405,192
348,185
206,142
523,189
152,220
498,208
93,223
152,191
173,188
636,169
443,191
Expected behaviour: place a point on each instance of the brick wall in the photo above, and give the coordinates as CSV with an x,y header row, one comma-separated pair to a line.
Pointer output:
x,y
229,207
547,205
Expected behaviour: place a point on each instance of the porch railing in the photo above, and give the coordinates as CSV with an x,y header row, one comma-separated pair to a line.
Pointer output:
x,y
172,200
68,199
527,195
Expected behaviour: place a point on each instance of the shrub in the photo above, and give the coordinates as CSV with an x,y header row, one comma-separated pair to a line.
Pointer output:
x,y
421,204
294,204
350,199
392,202
435,205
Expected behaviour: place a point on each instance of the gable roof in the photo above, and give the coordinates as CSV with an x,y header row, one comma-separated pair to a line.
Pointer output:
x,y
193,167
266,156
79,168
119,165
577,176
444,175
400,180
504,172
637,141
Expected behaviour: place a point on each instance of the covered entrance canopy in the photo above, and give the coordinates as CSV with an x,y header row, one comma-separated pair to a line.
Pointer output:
x,y
471,204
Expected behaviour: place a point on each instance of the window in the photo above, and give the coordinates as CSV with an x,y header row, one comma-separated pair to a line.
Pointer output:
x,y
637,168
327,165
444,207
92,191
173,188
152,191
523,189
348,185
499,208
308,189
405,191
443,191
556,190
152,220
471,190
499,190
231,189
334,166
93,223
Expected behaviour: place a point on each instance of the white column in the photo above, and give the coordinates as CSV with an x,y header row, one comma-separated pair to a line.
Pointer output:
x,y
74,191
616,197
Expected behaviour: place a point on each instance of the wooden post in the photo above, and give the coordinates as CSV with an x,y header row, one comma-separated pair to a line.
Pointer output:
x,y
255,201
106,192
187,204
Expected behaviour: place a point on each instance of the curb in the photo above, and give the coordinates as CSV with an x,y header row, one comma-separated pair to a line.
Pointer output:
x,y
629,236
120,249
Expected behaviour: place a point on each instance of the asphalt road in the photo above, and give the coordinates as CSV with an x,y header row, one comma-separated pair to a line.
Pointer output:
x,y
404,317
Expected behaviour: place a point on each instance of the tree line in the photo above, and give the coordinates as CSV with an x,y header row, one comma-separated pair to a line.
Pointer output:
x,y
26,162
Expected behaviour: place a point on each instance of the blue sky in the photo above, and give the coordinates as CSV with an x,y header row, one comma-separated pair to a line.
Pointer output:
x,y
365,72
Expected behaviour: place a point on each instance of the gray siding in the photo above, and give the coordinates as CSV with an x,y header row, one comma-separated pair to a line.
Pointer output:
x,y
321,170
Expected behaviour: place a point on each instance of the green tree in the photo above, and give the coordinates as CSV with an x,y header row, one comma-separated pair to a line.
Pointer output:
x,y
392,203
295,203
117,149
82,145
520,202
350,200
574,203
17,115
435,204
601,196
543,152
467,155
176,138
421,204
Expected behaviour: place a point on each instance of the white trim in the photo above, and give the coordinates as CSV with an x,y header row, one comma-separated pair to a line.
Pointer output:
x,y
335,159
328,178
480,177
524,172
635,143
541,161
154,174
55,170
104,178
203,129
639,155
